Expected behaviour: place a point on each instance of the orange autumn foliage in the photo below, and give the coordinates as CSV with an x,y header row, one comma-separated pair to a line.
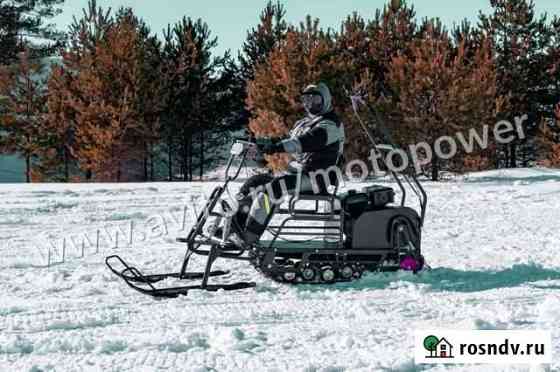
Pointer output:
x,y
548,140
443,90
22,123
273,96
94,103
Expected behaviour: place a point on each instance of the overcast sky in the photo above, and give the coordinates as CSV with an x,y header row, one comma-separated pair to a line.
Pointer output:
x,y
229,20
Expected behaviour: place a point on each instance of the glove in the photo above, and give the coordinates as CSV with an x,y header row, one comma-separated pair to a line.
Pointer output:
x,y
270,146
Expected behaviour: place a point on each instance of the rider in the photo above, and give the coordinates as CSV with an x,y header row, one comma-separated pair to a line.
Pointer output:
x,y
316,143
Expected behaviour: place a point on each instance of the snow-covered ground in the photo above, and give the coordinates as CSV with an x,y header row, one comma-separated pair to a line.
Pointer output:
x,y
492,240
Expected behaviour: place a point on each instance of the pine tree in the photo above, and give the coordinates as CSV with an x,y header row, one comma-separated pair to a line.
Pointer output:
x,y
104,105
356,65
189,74
439,91
390,32
23,109
59,122
261,41
220,111
365,51
105,114
84,36
549,141
521,40
147,92
24,28
554,60
548,138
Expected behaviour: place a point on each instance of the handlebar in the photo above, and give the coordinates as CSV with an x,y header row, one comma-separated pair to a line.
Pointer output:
x,y
243,149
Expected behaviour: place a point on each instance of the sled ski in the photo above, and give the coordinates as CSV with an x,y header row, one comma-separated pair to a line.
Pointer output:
x,y
145,283
196,241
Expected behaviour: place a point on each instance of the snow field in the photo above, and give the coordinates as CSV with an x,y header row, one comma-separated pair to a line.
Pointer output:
x,y
491,239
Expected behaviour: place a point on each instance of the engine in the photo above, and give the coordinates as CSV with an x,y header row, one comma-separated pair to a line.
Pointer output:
x,y
371,222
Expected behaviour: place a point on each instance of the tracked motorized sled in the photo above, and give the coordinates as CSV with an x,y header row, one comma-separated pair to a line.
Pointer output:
x,y
357,231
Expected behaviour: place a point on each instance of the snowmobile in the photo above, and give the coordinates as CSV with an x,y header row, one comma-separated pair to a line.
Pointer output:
x,y
341,238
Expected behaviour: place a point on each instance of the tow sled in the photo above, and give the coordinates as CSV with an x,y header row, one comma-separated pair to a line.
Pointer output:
x,y
343,236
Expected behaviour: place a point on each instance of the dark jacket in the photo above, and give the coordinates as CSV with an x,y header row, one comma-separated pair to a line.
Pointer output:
x,y
317,142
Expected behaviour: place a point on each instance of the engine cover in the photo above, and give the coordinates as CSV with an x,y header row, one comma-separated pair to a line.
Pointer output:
x,y
373,228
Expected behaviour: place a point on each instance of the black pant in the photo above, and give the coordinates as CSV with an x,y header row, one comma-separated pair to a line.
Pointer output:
x,y
259,197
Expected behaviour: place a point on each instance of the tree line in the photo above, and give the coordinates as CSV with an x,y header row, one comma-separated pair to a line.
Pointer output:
x,y
121,103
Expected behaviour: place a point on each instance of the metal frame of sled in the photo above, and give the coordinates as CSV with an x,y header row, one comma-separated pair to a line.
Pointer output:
x,y
265,253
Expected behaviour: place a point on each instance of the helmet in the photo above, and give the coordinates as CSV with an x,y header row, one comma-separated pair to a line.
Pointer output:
x,y
317,99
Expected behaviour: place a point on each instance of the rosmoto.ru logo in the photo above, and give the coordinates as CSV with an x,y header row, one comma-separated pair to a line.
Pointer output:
x,y
496,347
